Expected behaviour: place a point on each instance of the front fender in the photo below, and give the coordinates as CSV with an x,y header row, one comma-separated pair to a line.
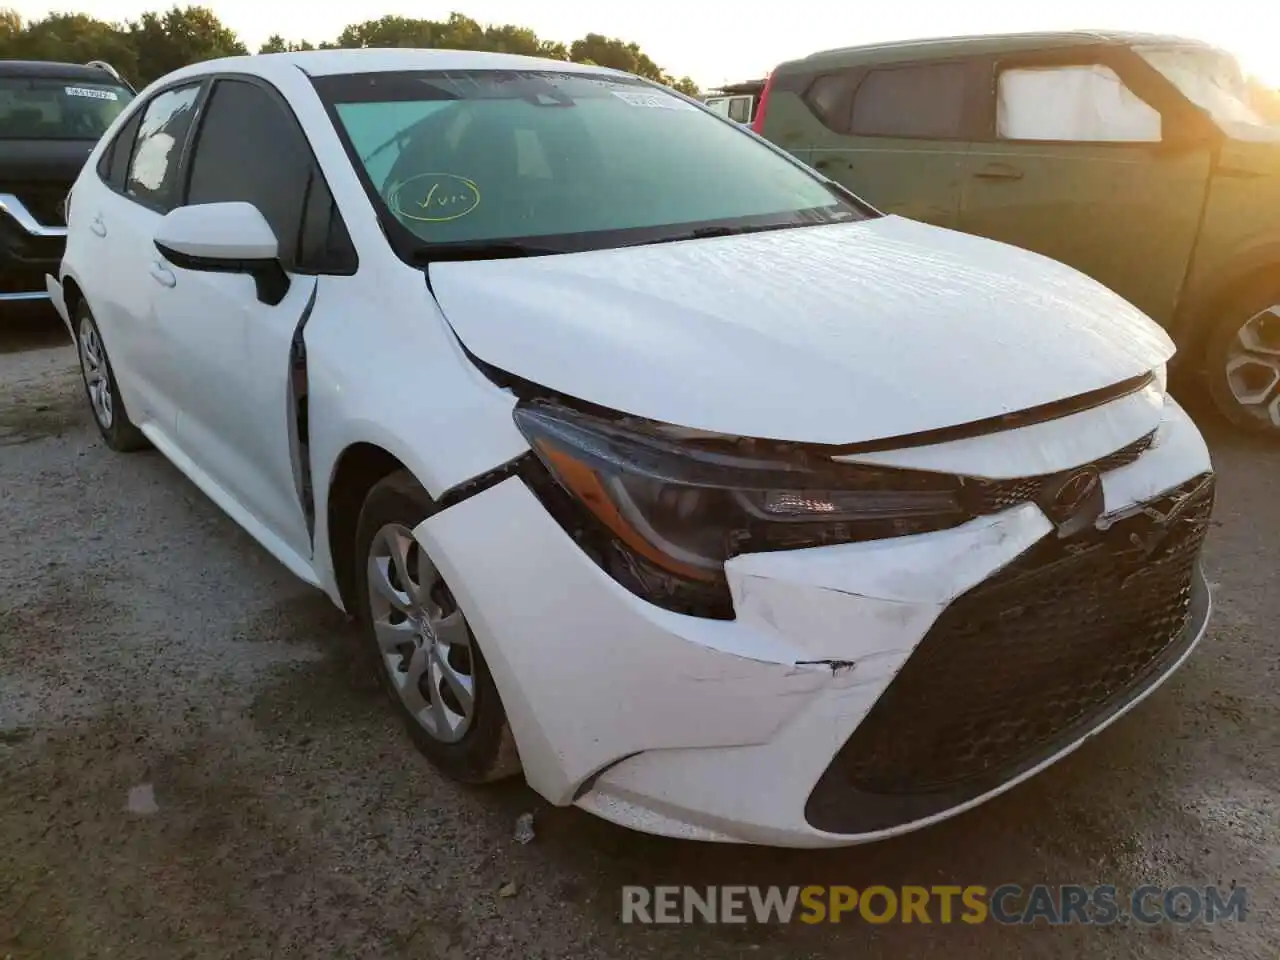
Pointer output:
x,y
388,371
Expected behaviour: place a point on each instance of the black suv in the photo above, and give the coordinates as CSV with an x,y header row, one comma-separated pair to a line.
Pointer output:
x,y
51,115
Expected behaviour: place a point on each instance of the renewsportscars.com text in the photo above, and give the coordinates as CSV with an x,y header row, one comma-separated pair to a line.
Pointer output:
x,y
1005,904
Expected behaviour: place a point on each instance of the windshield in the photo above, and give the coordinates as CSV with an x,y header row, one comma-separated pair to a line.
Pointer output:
x,y
44,108
1210,80
574,160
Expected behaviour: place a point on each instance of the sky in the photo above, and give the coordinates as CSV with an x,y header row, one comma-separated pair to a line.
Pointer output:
x,y
717,41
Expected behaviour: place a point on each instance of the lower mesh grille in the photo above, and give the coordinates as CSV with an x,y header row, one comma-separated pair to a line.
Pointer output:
x,y
1044,647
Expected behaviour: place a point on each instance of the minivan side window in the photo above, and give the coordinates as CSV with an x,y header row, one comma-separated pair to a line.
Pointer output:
x,y
243,124
926,101
152,179
1081,104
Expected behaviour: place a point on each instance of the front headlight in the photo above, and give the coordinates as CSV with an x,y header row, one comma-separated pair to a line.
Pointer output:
x,y
687,505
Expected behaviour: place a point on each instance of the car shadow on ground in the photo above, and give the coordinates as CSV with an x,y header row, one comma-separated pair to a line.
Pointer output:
x,y
30,327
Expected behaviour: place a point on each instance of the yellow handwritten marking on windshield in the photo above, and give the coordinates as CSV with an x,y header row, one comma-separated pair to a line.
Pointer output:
x,y
435,197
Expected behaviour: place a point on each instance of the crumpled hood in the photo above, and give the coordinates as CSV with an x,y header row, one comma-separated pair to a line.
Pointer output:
x,y
835,334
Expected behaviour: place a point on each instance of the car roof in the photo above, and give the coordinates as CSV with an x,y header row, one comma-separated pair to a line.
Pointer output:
x,y
53,70
940,48
324,63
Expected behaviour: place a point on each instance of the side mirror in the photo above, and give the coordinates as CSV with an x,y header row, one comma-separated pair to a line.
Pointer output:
x,y
225,238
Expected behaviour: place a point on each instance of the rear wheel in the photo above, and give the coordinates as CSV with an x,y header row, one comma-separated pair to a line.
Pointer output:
x,y
421,644
101,389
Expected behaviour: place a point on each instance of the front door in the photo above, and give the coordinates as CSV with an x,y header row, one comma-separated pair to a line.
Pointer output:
x,y
227,353
1083,169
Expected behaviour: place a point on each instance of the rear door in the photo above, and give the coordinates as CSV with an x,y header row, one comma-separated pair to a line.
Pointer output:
x,y
1090,158
139,184
897,135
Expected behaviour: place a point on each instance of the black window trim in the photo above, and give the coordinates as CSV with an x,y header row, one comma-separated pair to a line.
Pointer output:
x,y
197,126
1139,77
107,158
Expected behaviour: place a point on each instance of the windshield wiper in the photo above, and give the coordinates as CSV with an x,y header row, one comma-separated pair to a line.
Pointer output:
x,y
704,233
478,250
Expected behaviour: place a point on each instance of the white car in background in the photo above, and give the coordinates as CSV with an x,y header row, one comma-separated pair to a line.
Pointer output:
x,y
649,461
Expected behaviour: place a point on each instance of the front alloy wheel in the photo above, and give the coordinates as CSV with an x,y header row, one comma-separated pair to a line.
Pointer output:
x,y
420,644
423,637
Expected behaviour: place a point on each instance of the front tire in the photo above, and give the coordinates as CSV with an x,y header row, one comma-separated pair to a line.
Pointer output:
x,y
1243,363
420,644
101,389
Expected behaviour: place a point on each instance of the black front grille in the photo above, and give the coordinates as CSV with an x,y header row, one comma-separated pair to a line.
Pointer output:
x,y
24,259
992,496
1021,663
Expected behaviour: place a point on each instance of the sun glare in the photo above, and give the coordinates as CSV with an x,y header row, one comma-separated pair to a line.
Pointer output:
x,y
1261,61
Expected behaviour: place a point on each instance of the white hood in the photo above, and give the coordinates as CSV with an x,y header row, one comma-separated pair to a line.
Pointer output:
x,y
835,334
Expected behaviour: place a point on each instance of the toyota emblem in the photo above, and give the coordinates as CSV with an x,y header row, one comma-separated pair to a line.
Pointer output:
x,y
1073,500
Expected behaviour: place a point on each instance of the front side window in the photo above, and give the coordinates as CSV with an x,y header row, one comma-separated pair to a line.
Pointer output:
x,y
153,167
243,123
576,160
1082,104
925,101
43,108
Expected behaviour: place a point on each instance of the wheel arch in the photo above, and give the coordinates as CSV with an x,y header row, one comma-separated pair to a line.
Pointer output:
x,y
357,468
73,295
1200,314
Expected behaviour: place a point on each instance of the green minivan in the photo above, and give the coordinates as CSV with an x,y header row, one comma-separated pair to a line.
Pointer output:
x,y
1135,158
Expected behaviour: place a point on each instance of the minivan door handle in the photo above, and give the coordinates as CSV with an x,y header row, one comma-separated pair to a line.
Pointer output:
x,y
97,226
999,171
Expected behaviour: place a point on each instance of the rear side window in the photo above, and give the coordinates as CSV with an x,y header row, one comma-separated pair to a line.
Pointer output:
x,y
250,148
925,101
152,179
828,98
1080,104
113,166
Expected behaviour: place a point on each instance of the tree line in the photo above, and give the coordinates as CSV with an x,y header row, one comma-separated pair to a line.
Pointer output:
x,y
156,43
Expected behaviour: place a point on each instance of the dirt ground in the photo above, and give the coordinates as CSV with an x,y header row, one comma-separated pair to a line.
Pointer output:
x,y
145,640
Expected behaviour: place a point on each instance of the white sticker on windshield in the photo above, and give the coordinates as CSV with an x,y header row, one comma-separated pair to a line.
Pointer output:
x,y
91,93
659,101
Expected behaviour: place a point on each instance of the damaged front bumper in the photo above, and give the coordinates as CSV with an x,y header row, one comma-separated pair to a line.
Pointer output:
x,y
819,715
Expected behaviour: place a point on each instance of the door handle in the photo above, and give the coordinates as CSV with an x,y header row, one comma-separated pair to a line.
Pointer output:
x,y
823,164
162,274
999,171
97,226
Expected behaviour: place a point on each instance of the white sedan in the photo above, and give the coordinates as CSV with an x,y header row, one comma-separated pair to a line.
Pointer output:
x,y
650,462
